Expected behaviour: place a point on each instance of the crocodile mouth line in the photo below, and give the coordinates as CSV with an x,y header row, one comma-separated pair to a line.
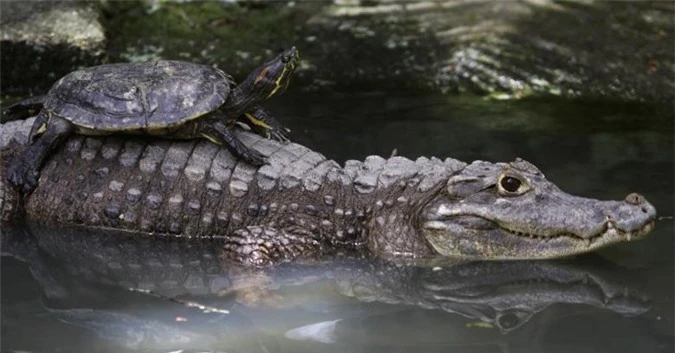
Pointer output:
x,y
610,230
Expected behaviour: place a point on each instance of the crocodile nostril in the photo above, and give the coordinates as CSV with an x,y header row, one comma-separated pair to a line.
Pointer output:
x,y
635,198
644,209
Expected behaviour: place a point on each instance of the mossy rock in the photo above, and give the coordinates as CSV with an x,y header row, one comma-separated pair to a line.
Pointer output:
x,y
42,41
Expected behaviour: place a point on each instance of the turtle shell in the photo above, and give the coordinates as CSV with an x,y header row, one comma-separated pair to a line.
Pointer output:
x,y
133,96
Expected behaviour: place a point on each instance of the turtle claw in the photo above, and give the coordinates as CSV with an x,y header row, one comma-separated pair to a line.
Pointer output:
x,y
23,177
275,133
264,124
279,135
253,157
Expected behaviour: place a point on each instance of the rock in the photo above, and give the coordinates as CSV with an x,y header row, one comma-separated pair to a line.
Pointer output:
x,y
42,41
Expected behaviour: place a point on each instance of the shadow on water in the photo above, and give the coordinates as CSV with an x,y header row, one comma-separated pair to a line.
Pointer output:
x,y
82,299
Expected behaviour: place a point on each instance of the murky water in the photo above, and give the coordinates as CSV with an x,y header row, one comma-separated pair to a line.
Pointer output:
x,y
64,292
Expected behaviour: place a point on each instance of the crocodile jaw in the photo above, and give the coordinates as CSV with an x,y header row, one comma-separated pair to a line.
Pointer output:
x,y
460,231
503,244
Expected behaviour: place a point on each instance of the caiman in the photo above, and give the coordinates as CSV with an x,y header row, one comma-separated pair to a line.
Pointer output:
x,y
301,204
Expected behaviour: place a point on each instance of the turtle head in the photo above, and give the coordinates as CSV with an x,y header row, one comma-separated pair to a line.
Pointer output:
x,y
273,77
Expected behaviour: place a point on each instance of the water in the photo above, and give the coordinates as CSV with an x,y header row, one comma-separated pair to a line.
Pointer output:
x,y
64,292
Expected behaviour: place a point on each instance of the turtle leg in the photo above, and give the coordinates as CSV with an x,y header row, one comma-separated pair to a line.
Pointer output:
x,y
264,124
24,171
217,132
23,109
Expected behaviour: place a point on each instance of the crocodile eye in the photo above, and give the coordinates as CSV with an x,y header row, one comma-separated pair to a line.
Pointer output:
x,y
510,184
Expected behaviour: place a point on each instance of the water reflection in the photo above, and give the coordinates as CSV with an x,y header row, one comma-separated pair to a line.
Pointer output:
x,y
83,299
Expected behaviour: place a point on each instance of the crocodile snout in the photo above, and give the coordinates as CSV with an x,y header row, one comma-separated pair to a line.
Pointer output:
x,y
634,216
646,208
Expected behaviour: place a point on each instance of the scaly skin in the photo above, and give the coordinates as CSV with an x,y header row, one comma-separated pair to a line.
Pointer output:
x,y
302,205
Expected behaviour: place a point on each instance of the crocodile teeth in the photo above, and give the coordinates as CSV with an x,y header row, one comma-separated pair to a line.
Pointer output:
x,y
587,241
628,236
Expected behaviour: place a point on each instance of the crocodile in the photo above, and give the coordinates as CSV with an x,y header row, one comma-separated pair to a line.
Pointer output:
x,y
303,205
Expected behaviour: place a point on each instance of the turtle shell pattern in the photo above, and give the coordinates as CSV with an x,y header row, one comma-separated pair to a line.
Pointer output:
x,y
138,96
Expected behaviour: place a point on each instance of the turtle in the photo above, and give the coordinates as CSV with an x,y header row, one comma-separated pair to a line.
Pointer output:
x,y
167,98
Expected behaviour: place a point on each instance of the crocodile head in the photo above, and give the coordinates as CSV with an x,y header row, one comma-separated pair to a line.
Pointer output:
x,y
510,211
